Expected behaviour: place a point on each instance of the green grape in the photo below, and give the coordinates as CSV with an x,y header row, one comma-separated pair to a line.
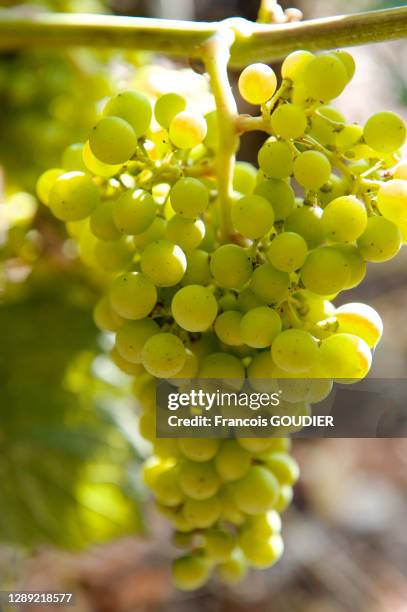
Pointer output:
x,y
344,219
156,231
348,137
277,445
166,487
287,251
385,132
134,212
202,513
257,83
280,195
326,271
293,389
198,271
105,316
194,308
165,448
232,461
276,159
313,307
219,544
187,130
223,366
113,256
230,512
348,61
73,196
256,445
147,428
134,108
212,131
306,221
257,491
268,284
312,169
189,369
133,296
153,467
187,233
357,265
167,106
325,77
227,328
164,263
233,570
113,141
335,188
198,449
260,326
259,372
163,355
295,63
319,388
72,158
360,320
97,167
265,524
289,121
392,200
189,197
228,302
325,123
252,216
46,182
132,369
294,350
101,222
246,300
400,171
284,499
190,572
231,266
345,356
380,241
198,480
284,467
132,336
244,177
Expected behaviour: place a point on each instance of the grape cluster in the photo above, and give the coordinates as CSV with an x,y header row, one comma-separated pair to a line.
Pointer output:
x,y
141,198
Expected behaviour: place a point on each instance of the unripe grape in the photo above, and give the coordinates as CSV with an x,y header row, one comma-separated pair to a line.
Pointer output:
x,y
46,182
265,525
223,366
113,256
95,166
72,158
325,123
260,326
360,320
348,137
132,336
187,130
219,545
231,266
244,177
284,499
348,61
306,221
73,196
289,121
357,265
166,486
198,271
246,300
252,216
312,169
269,284
257,83
156,231
134,212
257,491
284,467
163,355
287,251
380,241
190,572
259,372
113,141
232,461
325,77
400,171
132,369
212,134
167,106
344,219
187,233
133,296
233,570
194,308
385,132
345,356
198,449
280,195
199,480
101,222
325,271
105,316
227,328
164,263
153,467
189,197
189,369
294,350
295,63
276,159
134,108
392,200
202,513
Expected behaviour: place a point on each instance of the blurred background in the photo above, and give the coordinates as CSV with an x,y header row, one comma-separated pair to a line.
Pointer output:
x,y
74,515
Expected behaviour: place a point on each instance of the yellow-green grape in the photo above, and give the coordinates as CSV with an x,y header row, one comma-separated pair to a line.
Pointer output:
x,y
400,171
287,251
153,467
105,317
227,328
231,266
348,61
284,467
259,372
219,544
380,241
312,169
46,182
167,106
222,366
230,511
265,524
189,369
202,513
385,132
232,461
134,108
277,445
306,221
164,263
360,320
163,355
199,480
325,77
189,197
132,369
252,216
289,121
244,177
348,136
187,130
190,572
97,167
228,302
198,449
260,326
194,308
313,307
257,83
198,271
235,569
73,196
72,158
101,222
212,133
246,300
293,388
269,284
280,195
319,387
392,200
156,231
147,427
133,296
113,141
276,159
336,187
285,498
295,63
295,350
166,448
325,123
344,219
187,233
256,445
166,486
257,491
113,256
134,212
326,271
345,356
132,336
357,265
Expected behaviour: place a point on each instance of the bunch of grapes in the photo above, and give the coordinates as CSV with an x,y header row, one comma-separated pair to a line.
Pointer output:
x,y
141,197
